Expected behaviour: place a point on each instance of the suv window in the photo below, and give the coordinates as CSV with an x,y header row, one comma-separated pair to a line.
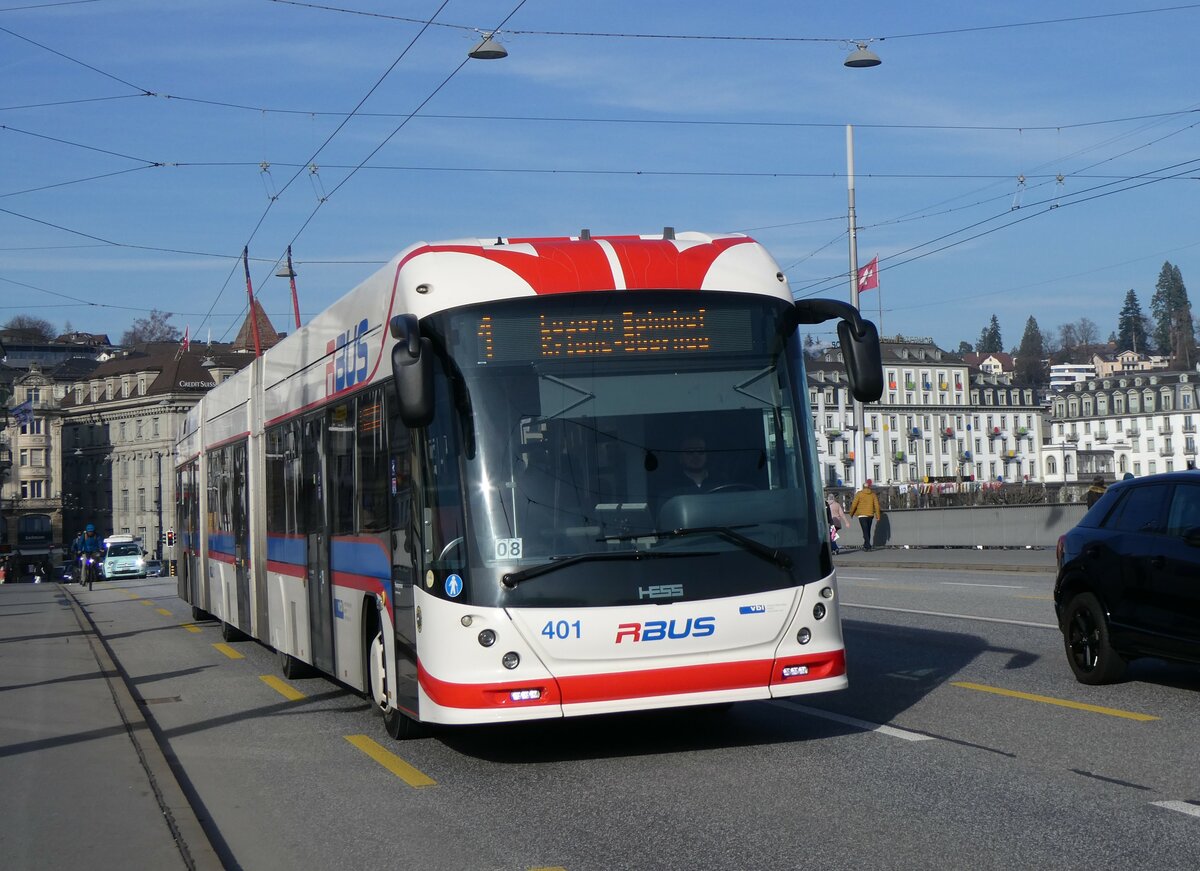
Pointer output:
x,y
1140,510
1185,510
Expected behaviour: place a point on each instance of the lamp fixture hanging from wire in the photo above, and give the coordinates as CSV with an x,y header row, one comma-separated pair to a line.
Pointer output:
x,y
862,57
488,49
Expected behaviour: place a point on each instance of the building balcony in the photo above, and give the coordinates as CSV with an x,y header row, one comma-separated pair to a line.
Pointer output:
x,y
1133,432
1166,452
1165,429
1102,435
1189,428
1072,437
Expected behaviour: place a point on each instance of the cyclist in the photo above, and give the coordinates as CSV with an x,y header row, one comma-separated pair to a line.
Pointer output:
x,y
89,555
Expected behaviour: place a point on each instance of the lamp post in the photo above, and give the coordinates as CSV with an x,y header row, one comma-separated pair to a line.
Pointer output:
x,y
857,442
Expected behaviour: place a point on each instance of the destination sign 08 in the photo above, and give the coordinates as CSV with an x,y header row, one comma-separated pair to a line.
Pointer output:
x,y
629,332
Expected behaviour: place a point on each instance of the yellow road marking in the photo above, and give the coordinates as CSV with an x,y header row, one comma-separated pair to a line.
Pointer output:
x,y
147,602
1063,703
286,690
190,627
162,611
391,762
228,651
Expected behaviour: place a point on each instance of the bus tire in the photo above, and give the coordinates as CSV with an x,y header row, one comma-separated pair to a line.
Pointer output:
x,y
199,614
398,724
292,668
231,633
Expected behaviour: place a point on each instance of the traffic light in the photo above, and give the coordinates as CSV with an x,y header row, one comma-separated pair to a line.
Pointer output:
x,y
170,538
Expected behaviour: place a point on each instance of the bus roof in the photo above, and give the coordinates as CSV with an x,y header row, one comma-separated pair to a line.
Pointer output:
x,y
567,264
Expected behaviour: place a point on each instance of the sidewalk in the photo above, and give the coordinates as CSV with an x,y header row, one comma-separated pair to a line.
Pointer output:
x,y
993,559
85,783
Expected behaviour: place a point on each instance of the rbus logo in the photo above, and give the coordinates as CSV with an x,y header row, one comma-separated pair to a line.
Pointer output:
x,y
657,630
348,357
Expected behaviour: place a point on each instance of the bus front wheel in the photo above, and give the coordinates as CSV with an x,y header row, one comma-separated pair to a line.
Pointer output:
x,y
398,725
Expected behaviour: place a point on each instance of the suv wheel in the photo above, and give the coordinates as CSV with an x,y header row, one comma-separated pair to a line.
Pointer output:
x,y
1089,650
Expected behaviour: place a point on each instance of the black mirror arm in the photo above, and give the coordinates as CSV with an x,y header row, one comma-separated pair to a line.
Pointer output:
x,y
817,311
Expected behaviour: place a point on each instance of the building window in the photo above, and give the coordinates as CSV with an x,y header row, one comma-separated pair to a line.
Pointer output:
x,y
141,499
33,394
33,426
1051,466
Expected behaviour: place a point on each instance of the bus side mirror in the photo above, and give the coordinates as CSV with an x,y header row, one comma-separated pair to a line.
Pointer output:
x,y
859,344
864,364
412,370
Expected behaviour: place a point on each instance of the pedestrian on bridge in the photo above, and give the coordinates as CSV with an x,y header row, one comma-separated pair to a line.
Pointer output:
x,y
866,508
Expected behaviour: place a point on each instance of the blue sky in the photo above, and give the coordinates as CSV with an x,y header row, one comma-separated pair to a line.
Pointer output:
x,y
114,202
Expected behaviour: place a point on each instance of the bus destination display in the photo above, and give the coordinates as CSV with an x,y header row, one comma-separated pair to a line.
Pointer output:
x,y
630,332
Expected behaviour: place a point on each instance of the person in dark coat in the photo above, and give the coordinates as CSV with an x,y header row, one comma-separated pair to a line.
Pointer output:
x,y
1096,491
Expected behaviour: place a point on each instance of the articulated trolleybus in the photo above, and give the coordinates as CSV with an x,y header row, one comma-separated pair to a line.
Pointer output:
x,y
529,478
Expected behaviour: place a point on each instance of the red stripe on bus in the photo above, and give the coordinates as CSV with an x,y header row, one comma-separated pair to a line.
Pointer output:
x,y
712,677
292,570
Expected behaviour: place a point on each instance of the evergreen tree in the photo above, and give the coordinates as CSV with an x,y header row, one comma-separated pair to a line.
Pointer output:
x,y
1131,326
989,339
966,348
1174,331
1031,367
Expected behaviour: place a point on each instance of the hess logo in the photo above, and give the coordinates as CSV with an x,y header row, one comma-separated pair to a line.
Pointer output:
x,y
348,355
657,630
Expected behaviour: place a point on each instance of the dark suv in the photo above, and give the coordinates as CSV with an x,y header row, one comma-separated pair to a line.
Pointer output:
x,y
1129,577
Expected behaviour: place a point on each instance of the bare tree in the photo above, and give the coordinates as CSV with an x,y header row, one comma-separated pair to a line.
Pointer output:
x,y
37,329
1087,332
152,328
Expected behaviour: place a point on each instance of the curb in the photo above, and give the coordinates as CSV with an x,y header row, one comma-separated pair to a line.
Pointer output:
x,y
195,848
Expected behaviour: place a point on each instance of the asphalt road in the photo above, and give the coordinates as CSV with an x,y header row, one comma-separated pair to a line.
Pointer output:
x,y
963,742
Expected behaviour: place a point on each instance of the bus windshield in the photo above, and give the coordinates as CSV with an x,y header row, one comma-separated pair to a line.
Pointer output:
x,y
657,437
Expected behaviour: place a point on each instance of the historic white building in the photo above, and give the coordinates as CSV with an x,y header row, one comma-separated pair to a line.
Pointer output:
x,y
936,421
1136,423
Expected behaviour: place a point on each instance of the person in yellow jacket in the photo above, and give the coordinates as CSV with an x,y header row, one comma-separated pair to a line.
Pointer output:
x,y
866,508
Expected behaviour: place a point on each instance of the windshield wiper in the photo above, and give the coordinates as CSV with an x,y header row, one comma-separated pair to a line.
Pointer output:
x,y
729,533
511,579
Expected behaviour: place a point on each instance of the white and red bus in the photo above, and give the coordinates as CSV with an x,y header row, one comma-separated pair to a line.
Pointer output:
x,y
517,479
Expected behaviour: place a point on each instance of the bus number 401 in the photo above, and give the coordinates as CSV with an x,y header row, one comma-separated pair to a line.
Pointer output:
x,y
561,629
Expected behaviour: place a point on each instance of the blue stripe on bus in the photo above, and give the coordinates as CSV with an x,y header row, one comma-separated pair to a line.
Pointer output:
x,y
287,549
365,557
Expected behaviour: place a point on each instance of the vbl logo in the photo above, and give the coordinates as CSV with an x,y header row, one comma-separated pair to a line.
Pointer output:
x,y
348,359
657,630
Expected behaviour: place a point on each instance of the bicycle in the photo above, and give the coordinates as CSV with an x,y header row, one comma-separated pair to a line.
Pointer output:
x,y
87,570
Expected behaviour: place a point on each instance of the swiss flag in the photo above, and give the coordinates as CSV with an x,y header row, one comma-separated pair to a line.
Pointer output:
x,y
868,276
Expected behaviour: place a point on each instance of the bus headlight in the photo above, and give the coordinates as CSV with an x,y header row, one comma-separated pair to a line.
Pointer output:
x,y
819,611
487,637
804,635
827,593
511,659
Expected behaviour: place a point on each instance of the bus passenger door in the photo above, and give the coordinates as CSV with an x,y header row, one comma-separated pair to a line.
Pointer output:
x,y
316,526
241,536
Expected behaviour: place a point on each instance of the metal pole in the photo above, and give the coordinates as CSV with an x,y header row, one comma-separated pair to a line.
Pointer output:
x,y
158,548
250,294
859,437
292,281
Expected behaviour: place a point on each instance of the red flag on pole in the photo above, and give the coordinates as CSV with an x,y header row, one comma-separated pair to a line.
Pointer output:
x,y
868,276
187,338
